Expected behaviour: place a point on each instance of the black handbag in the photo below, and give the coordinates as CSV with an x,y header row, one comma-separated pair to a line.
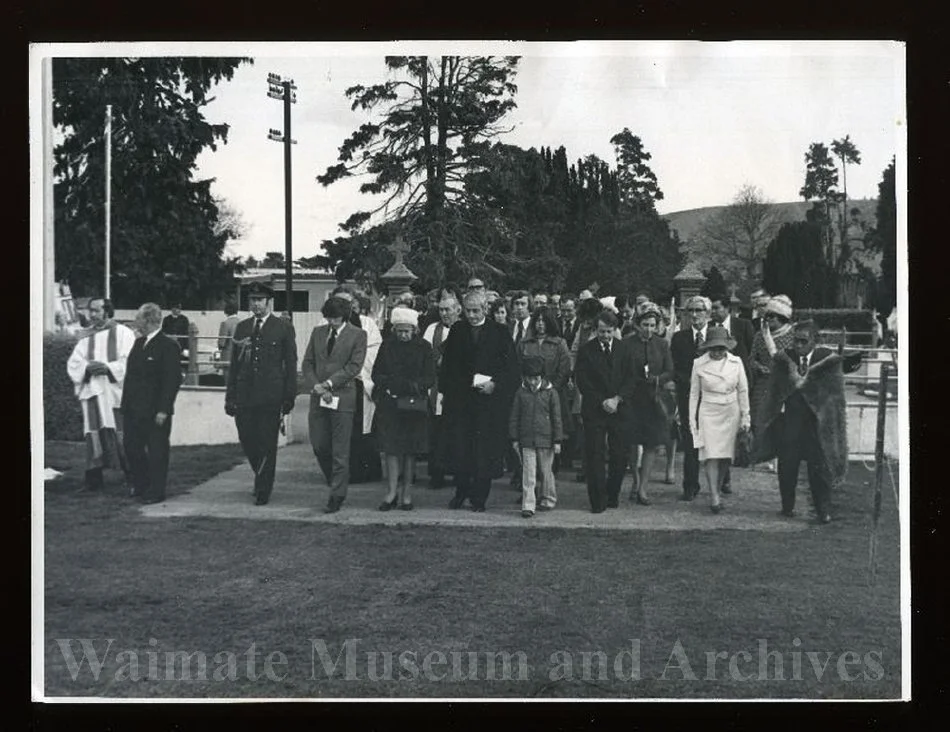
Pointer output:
x,y
412,404
744,447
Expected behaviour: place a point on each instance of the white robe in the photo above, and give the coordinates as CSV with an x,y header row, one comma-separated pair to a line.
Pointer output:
x,y
374,340
105,390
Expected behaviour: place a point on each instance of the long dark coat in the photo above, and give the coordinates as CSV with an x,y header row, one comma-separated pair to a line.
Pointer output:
x,y
402,369
646,421
476,425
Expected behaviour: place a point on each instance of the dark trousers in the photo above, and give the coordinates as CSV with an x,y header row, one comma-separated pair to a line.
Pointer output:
x,y
146,449
437,447
257,430
476,490
799,442
604,439
690,453
330,435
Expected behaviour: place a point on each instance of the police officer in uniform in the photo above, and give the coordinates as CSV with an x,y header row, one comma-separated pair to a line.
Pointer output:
x,y
262,384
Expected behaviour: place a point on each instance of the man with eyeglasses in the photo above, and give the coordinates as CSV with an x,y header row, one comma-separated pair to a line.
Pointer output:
x,y
805,419
684,348
476,285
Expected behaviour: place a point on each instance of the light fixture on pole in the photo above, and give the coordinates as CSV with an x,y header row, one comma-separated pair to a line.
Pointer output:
x,y
285,91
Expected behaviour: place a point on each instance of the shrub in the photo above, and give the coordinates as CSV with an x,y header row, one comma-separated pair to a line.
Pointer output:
x,y
856,321
62,415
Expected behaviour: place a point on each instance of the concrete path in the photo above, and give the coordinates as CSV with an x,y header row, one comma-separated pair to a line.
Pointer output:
x,y
300,493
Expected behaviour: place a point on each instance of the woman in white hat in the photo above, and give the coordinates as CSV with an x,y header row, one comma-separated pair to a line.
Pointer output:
x,y
774,335
402,375
718,407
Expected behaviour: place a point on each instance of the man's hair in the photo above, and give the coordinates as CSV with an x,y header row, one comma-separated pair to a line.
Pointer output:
x,y
588,309
107,308
496,306
621,301
474,297
336,307
568,299
518,294
230,308
151,313
607,318
699,300
551,327
720,297
808,325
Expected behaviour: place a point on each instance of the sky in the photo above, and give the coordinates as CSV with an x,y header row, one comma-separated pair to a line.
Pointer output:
x,y
714,116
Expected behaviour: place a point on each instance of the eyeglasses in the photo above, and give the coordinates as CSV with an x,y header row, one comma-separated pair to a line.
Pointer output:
x,y
697,310
477,286
802,340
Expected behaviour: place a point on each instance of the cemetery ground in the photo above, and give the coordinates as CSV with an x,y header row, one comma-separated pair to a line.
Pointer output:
x,y
499,607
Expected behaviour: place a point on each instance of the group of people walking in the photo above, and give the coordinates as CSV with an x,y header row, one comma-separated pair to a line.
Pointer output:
x,y
480,385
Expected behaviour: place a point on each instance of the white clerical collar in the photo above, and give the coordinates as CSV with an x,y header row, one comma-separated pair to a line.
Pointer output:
x,y
478,325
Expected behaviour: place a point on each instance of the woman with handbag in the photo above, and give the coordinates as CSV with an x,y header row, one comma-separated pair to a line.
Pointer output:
x,y
718,407
646,367
402,375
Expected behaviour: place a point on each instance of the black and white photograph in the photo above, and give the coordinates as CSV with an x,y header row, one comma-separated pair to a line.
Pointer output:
x,y
457,371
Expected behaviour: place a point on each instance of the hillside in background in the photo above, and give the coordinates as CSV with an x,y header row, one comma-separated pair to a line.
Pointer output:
x,y
687,223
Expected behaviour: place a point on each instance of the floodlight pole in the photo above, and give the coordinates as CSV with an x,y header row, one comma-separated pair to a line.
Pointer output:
x,y
108,289
283,89
288,215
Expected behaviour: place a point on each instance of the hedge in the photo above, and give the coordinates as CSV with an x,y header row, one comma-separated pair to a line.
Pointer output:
x,y
856,321
62,415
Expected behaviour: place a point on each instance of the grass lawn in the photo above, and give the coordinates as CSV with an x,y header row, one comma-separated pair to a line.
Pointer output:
x,y
542,595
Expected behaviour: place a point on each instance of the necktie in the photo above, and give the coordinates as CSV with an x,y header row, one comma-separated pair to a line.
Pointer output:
x,y
802,365
256,338
257,327
520,334
331,341
699,338
606,348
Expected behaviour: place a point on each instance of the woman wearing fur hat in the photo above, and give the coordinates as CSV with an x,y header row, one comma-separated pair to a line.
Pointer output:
x,y
404,369
718,407
774,335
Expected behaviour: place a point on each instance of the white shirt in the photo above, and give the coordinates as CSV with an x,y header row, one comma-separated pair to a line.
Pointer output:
x,y
524,332
263,318
151,335
726,323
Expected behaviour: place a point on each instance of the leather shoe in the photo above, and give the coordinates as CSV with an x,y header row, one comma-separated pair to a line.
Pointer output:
x,y
787,513
613,503
824,518
716,508
148,500
261,500
456,502
478,509
643,500
387,505
726,488
333,505
687,496
598,509
405,506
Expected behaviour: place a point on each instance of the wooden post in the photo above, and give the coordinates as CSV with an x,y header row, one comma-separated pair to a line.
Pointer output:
x,y
844,340
191,377
878,468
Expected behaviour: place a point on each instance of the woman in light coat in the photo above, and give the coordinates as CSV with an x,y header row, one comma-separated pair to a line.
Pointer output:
x,y
718,407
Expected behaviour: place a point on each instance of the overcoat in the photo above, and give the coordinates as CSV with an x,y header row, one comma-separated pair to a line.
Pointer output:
x,y
476,424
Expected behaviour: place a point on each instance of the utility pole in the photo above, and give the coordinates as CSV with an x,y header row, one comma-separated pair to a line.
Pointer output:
x,y
285,90
50,286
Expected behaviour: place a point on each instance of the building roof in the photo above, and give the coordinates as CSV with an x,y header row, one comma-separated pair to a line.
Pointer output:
x,y
260,273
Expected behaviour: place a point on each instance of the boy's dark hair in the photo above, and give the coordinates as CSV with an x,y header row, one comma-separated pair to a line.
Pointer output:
x,y
621,301
230,308
518,294
336,307
588,309
532,366
607,318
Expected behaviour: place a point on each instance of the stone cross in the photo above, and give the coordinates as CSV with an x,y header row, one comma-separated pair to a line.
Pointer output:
x,y
399,248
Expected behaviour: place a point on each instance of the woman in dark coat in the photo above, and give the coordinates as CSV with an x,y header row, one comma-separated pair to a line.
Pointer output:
x,y
405,367
646,366
476,410
546,343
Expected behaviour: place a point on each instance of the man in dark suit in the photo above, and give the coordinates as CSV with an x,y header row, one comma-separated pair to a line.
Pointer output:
x,y
684,349
176,325
262,385
569,322
597,373
741,331
152,378
478,378
331,363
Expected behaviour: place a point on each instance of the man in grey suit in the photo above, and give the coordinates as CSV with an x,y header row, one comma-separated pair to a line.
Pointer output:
x,y
333,359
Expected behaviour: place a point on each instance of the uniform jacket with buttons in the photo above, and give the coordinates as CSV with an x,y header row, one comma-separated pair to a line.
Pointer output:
x,y
265,376
535,419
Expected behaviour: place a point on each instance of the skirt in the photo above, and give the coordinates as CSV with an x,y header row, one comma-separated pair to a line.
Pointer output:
x,y
718,428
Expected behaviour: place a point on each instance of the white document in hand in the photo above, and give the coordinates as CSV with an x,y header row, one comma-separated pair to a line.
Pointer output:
x,y
438,404
480,379
334,403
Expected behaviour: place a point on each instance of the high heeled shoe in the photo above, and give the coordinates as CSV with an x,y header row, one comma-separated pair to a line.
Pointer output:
x,y
389,505
715,507
643,500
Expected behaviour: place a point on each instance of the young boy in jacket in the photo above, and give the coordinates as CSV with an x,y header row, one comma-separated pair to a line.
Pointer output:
x,y
537,432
